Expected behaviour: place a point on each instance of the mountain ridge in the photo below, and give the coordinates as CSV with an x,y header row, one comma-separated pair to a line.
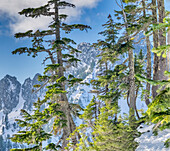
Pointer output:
x,y
24,98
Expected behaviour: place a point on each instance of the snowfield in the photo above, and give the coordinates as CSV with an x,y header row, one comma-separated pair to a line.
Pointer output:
x,y
149,142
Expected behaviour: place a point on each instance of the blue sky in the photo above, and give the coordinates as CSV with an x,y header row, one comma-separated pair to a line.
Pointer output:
x,y
91,12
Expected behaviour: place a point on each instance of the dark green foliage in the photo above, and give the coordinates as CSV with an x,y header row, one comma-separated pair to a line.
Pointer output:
x,y
38,37
69,28
102,128
158,26
108,80
107,131
167,143
152,82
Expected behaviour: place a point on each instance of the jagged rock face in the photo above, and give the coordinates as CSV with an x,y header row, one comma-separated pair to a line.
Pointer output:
x,y
86,69
28,95
88,52
9,93
87,62
10,88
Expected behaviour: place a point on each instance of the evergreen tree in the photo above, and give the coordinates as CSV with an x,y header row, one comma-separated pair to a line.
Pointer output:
x,y
105,132
132,26
54,74
108,81
100,118
32,133
162,39
135,24
101,128
81,133
111,135
159,39
155,45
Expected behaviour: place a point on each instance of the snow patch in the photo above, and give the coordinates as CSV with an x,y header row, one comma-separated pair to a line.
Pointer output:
x,y
149,142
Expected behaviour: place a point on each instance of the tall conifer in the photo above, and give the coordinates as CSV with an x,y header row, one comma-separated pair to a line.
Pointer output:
x,y
54,74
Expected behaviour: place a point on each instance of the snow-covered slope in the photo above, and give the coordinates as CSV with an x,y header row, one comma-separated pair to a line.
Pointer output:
x,y
13,98
149,142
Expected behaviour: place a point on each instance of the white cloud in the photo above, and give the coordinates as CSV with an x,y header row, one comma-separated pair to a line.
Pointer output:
x,y
23,24
10,8
85,3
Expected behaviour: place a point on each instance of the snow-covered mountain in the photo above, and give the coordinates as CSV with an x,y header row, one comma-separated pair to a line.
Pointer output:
x,y
15,96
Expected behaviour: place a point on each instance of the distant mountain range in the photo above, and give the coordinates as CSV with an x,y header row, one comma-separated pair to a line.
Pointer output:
x,y
15,96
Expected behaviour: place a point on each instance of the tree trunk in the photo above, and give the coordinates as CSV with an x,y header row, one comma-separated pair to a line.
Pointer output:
x,y
131,83
106,88
148,70
155,44
168,55
131,74
63,98
162,40
148,58
40,147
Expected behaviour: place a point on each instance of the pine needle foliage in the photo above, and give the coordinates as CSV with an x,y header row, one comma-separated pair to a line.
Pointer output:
x,y
111,135
32,133
158,111
61,54
104,132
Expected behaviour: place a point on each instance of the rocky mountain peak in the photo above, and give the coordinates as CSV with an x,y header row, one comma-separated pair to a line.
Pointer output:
x,y
35,79
24,97
84,46
88,54
9,93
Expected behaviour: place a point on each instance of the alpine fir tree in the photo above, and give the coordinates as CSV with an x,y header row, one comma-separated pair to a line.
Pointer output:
x,y
106,132
110,135
131,27
61,53
155,45
32,132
